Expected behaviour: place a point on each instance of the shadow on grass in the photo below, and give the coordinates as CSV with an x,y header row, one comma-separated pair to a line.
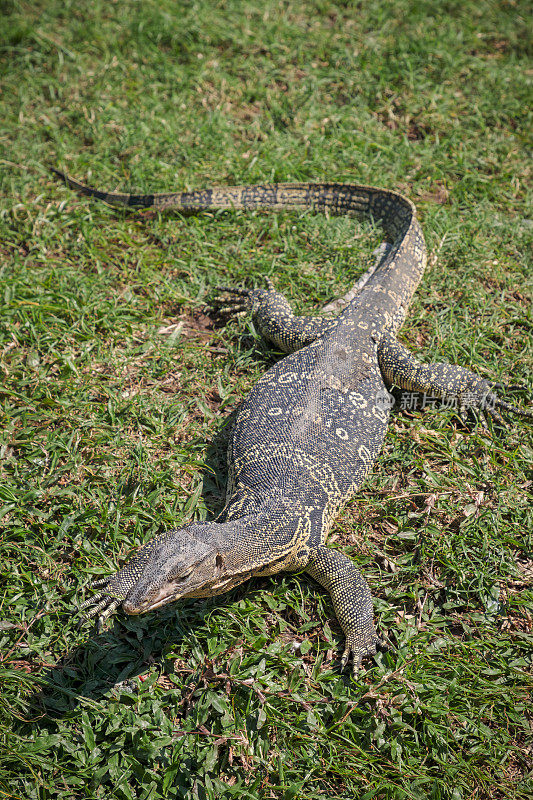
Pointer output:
x,y
109,661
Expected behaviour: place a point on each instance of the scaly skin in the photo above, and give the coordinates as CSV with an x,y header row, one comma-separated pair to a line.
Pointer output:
x,y
308,433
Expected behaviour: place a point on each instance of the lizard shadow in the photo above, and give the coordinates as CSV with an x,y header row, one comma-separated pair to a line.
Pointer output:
x,y
109,661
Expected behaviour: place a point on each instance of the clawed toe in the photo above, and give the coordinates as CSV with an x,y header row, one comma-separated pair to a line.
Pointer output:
x,y
493,405
510,387
100,605
101,611
496,416
93,601
346,657
238,304
485,401
493,402
100,582
236,308
358,651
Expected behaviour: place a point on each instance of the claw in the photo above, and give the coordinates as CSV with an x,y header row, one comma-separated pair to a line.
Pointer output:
x,y
107,605
485,400
105,600
463,413
112,607
483,422
94,612
235,308
100,582
358,652
345,657
493,414
228,306
357,657
356,663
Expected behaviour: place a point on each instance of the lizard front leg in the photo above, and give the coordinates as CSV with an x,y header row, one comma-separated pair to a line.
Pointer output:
x,y
351,600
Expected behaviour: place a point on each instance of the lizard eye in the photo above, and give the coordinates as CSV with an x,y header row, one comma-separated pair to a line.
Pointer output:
x,y
181,576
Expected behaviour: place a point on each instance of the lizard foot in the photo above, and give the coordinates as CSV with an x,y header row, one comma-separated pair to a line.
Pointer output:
x,y
102,604
239,301
481,396
358,645
243,300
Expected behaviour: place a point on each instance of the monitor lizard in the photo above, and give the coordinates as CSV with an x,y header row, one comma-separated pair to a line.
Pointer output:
x,y
307,435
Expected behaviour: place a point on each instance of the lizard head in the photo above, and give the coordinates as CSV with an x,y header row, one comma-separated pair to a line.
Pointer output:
x,y
186,562
168,568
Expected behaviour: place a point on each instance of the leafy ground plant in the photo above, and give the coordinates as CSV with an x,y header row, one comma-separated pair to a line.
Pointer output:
x,y
118,383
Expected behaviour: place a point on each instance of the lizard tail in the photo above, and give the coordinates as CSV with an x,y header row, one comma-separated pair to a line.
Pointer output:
x,y
112,198
334,198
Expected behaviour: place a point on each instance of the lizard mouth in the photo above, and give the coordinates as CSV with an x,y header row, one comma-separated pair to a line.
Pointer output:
x,y
171,592
165,595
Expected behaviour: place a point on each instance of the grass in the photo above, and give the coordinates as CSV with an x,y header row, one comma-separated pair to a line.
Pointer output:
x,y
118,385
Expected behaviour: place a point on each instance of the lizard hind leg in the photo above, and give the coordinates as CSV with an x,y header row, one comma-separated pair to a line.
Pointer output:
x,y
272,314
457,387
